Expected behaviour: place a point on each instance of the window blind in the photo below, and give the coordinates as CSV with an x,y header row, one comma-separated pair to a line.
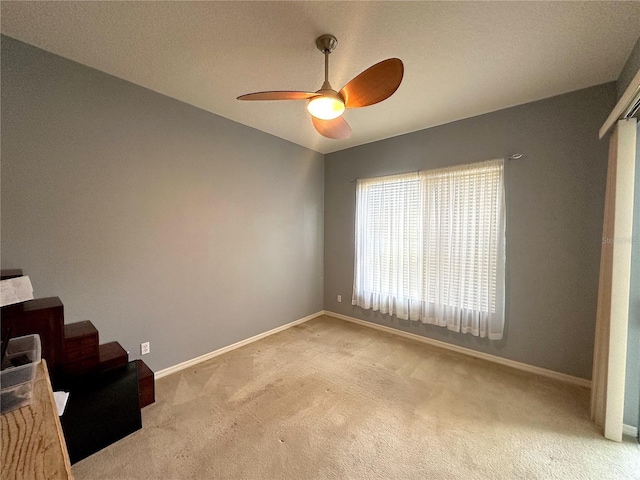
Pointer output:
x,y
430,246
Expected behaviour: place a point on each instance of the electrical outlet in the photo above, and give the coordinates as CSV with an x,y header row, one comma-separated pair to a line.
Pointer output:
x,y
339,298
145,348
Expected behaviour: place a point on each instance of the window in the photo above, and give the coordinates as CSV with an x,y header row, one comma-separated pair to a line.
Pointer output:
x,y
430,246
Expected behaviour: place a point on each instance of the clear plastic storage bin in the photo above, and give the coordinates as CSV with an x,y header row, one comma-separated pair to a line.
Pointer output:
x,y
19,372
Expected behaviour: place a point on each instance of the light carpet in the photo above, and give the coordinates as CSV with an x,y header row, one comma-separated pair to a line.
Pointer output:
x,y
332,400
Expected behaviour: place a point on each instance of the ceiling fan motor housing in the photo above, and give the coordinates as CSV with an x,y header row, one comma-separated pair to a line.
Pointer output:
x,y
329,92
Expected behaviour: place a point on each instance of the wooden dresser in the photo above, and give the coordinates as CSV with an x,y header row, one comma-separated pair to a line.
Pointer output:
x,y
33,446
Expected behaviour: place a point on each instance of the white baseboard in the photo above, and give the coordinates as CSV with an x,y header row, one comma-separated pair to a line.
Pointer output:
x,y
629,430
563,377
228,348
583,382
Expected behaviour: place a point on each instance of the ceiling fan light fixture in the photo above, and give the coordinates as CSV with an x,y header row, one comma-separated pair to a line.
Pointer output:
x,y
326,107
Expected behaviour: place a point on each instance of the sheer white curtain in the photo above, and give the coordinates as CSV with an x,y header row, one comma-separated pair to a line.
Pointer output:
x,y
430,246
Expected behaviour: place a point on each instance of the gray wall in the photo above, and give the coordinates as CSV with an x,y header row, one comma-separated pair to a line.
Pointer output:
x,y
555,201
158,221
632,384
629,70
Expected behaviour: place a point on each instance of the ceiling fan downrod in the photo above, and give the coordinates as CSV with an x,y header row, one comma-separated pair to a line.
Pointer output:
x,y
326,44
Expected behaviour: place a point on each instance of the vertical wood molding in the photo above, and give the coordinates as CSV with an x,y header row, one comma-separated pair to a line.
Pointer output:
x,y
601,347
621,244
618,241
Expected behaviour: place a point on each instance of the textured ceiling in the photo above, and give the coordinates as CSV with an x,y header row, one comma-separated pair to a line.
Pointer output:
x,y
461,58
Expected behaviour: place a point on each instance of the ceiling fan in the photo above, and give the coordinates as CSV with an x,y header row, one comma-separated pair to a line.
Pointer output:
x,y
326,106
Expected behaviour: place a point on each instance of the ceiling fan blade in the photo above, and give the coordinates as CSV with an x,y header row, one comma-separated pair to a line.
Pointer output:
x,y
373,85
337,128
278,96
